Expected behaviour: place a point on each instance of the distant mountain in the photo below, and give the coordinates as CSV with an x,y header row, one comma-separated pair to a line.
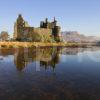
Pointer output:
x,y
74,36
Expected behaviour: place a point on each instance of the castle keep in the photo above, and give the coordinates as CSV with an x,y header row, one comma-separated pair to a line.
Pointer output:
x,y
23,31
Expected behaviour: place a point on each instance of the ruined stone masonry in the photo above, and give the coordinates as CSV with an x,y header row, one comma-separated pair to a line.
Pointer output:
x,y
23,32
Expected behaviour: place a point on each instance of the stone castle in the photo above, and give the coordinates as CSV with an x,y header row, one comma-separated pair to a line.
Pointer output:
x,y
23,31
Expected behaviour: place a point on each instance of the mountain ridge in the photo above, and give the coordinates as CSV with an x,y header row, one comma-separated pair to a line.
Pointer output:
x,y
75,36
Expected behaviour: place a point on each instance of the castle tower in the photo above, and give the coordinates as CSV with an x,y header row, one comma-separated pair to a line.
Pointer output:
x,y
46,20
55,22
18,27
56,30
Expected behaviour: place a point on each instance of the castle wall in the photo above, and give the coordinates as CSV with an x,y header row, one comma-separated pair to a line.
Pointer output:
x,y
28,31
42,35
31,33
42,31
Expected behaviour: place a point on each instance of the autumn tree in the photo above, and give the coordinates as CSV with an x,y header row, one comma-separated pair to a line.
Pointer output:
x,y
4,36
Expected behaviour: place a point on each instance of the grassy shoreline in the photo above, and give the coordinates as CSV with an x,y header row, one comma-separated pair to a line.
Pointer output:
x,y
39,44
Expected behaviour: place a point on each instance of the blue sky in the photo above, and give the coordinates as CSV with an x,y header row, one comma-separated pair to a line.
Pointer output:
x,y
72,15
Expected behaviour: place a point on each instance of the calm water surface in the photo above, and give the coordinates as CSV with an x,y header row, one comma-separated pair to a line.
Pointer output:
x,y
50,74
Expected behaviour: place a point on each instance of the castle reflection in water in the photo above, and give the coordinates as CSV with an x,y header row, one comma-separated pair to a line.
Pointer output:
x,y
46,57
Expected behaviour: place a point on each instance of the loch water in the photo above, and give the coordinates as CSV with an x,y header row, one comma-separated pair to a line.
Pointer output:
x,y
50,73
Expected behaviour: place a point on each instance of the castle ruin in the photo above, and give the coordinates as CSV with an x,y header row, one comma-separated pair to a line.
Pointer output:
x,y
23,31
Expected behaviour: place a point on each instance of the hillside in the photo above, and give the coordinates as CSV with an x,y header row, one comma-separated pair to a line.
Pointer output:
x,y
74,36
